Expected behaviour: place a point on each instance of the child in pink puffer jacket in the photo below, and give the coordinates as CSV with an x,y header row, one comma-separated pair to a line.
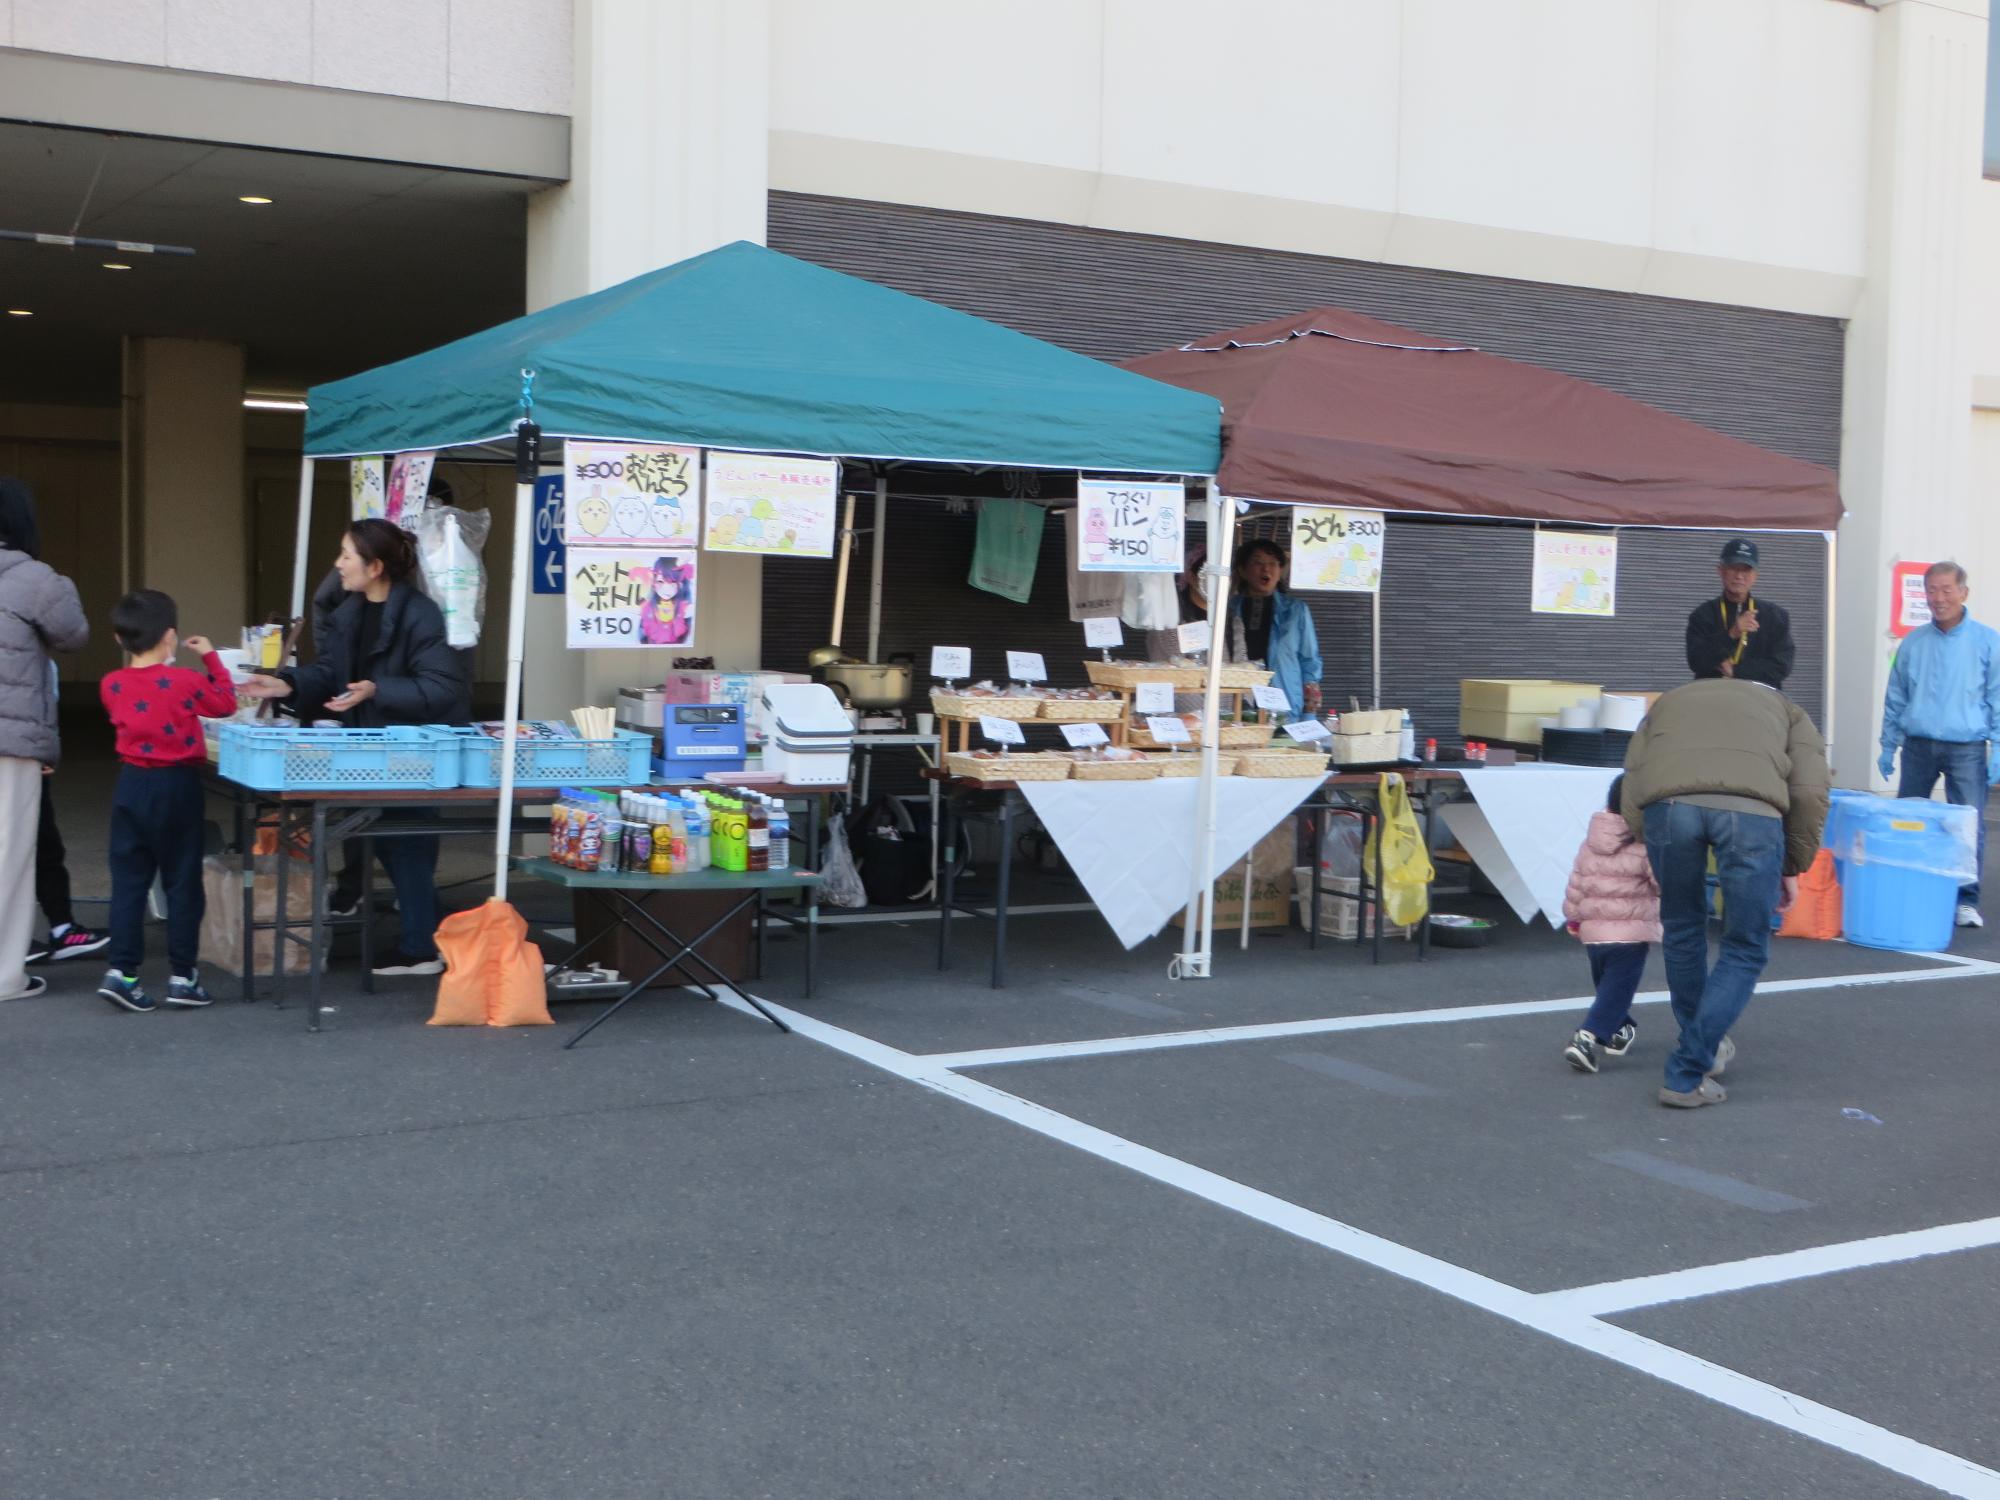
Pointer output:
x,y
1613,905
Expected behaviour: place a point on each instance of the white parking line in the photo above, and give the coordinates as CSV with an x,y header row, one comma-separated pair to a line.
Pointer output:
x,y
1771,1270
1110,1046
1877,1445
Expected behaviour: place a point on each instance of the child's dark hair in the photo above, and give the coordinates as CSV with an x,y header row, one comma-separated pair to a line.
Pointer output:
x,y
18,532
142,619
1614,800
376,540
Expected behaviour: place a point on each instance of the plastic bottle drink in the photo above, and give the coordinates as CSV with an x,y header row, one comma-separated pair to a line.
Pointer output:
x,y
757,837
677,820
1406,749
731,828
697,833
781,834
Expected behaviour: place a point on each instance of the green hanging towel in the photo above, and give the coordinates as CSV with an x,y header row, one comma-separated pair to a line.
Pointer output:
x,y
1010,539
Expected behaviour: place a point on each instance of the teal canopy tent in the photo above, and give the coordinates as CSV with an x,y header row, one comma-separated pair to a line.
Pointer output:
x,y
746,348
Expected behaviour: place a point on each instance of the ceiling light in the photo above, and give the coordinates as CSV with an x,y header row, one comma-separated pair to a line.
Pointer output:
x,y
273,403
116,265
19,312
251,198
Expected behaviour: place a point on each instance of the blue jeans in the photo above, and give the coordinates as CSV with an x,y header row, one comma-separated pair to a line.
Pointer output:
x,y
412,865
1962,764
1615,969
1749,863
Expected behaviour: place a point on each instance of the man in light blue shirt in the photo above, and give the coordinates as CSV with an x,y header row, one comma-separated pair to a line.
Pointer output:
x,y
1943,710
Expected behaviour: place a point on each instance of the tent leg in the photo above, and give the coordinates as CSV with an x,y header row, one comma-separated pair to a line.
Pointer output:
x,y
840,577
517,635
1198,939
299,541
1832,615
875,569
1375,637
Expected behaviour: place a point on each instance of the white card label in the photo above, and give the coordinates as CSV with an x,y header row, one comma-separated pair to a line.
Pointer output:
x,y
1026,666
1104,631
1083,736
1194,636
1306,730
1270,695
951,662
1168,731
1155,698
1001,731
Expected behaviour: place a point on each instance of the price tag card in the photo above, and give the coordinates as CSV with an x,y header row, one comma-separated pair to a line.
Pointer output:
x,y
1305,731
1272,697
1169,731
1026,666
1083,736
1001,731
1194,636
1155,698
1105,632
951,662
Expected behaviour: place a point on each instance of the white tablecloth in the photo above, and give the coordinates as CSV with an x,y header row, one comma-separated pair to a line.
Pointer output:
x,y
1524,826
1131,843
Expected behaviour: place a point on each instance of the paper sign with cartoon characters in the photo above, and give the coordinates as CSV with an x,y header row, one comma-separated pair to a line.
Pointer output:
x,y
1125,526
409,487
367,487
1576,573
619,596
759,503
631,495
1337,550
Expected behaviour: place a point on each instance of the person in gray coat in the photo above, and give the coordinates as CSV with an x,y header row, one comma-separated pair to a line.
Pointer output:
x,y
39,613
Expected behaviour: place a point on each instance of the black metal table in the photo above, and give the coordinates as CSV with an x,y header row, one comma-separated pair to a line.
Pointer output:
x,y
1358,794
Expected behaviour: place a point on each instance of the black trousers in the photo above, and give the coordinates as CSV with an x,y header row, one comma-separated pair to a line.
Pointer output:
x,y
156,829
51,866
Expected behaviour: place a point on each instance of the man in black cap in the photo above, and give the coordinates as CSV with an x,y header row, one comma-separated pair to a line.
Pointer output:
x,y
1737,634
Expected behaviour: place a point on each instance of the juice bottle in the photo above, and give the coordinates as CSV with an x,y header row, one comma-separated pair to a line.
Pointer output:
x,y
733,828
677,821
756,837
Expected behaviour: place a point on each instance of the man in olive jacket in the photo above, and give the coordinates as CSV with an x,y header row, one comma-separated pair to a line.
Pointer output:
x,y
1729,768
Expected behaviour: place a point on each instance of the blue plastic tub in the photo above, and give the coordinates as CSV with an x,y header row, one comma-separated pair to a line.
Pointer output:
x,y
1888,906
338,760
624,760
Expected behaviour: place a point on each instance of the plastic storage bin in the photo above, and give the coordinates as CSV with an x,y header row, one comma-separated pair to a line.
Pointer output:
x,y
1888,906
810,735
1901,863
626,759
339,760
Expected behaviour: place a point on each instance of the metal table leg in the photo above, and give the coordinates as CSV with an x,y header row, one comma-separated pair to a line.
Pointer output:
x,y
246,855
1381,838
281,929
367,912
758,922
1318,816
316,949
1000,898
948,905
812,892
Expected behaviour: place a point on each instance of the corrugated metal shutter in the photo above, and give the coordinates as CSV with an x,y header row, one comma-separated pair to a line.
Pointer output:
x,y
1456,594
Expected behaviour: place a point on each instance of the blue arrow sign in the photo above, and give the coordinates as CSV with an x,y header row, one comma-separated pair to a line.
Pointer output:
x,y
550,569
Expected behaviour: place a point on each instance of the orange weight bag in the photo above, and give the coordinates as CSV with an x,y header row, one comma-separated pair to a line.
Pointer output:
x,y
1816,914
493,974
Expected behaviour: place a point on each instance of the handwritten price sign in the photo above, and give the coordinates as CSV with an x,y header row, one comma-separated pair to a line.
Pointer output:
x,y
1125,527
1337,550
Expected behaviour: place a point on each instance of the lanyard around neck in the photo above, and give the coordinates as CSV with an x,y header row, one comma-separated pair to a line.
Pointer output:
x,y
1722,606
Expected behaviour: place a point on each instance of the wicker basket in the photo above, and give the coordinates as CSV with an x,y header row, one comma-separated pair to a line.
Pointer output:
x,y
1129,674
1243,677
1029,767
1190,765
1281,762
1114,770
1231,736
1084,710
958,706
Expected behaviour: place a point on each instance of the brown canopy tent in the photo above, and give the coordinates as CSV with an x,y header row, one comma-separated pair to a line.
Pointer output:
x,y
1332,408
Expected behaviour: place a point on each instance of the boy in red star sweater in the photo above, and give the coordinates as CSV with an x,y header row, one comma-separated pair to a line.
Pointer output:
x,y
156,812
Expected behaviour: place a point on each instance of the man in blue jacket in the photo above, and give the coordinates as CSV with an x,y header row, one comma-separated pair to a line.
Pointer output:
x,y
1943,710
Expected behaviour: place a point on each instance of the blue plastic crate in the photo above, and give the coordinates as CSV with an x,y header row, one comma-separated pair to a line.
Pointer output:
x,y
338,760
623,760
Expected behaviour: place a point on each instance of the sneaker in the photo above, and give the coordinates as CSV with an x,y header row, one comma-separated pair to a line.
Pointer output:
x,y
188,994
78,942
123,992
1621,1040
1968,915
1724,1055
36,986
38,953
1708,1091
1581,1053
403,963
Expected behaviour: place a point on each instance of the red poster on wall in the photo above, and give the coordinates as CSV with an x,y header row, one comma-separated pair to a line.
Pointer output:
x,y
1908,609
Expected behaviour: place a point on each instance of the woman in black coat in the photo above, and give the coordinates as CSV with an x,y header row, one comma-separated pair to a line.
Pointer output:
x,y
384,660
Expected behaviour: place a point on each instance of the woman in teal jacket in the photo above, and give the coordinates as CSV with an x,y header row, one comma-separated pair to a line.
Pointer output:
x,y
1267,624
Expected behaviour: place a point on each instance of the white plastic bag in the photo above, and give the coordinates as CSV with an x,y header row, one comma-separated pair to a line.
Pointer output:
x,y
841,880
449,541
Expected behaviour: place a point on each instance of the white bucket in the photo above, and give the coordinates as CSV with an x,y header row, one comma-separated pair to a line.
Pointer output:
x,y
1620,711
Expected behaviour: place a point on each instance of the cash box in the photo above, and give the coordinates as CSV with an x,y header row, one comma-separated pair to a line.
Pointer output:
x,y
696,738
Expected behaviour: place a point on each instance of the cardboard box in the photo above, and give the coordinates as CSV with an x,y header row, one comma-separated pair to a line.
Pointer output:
x,y
1270,884
1511,708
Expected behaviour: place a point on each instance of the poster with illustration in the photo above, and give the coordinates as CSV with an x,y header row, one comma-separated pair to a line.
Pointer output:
x,y
631,495
621,596
409,487
1339,551
759,503
1127,526
368,488
1576,573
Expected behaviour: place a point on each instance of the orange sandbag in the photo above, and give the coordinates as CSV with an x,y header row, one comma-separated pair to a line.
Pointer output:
x,y
493,974
1816,914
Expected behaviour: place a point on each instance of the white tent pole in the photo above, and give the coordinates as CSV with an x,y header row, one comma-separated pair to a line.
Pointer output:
x,y
840,575
875,569
1375,615
1832,615
517,635
299,542
1197,938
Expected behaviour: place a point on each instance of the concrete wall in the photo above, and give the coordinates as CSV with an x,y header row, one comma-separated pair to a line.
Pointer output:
x,y
506,54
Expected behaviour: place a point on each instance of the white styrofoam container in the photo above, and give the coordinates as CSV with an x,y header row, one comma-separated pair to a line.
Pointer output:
x,y
810,736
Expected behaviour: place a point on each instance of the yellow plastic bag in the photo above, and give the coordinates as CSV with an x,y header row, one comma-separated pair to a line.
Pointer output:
x,y
1406,863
